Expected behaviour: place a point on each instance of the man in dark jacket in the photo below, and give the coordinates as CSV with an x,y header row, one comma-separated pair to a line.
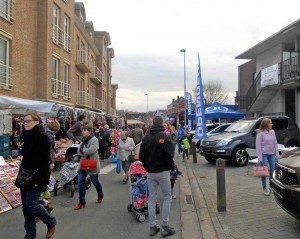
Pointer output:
x,y
75,132
156,155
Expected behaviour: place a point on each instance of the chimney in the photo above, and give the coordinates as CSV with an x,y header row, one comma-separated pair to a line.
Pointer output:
x,y
177,98
173,100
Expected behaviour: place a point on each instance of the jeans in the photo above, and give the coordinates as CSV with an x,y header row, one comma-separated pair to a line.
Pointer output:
x,y
163,180
179,147
102,152
81,185
185,152
31,208
271,160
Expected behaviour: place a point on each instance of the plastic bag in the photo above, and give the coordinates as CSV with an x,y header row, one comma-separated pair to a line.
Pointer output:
x,y
118,168
186,144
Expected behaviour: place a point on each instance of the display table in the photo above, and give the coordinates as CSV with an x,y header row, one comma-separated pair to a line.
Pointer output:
x,y
61,149
10,196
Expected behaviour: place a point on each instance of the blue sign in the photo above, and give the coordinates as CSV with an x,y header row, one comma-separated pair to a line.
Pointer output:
x,y
200,116
188,98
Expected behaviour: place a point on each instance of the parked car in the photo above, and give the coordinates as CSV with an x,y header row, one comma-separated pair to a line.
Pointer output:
x,y
286,182
217,130
232,143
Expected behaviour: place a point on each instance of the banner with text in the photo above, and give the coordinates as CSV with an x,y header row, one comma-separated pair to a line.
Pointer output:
x,y
200,116
269,76
188,98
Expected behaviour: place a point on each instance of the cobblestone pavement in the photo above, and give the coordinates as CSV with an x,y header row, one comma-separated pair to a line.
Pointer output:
x,y
249,214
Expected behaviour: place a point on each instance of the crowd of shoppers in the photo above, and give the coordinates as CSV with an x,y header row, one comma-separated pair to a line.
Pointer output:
x,y
154,145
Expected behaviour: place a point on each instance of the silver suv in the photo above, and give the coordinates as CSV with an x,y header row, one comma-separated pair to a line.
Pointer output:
x,y
232,143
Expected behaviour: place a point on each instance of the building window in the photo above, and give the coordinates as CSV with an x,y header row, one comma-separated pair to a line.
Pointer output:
x,y
6,7
5,69
81,15
67,37
55,24
55,76
66,83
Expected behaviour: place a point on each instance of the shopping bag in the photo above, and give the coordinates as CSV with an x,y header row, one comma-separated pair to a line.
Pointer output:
x,y
118,168
186,144
261,171
113,159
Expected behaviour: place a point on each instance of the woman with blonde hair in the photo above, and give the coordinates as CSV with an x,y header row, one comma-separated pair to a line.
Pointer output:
x,y
267,149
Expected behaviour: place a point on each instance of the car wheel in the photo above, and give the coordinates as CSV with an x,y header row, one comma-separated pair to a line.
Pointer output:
x,y
210,159
292,143
239,157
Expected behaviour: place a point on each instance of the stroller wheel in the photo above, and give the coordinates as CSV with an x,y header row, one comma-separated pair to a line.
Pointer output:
x,y
129,207
140,217
87,182
55,189
72,190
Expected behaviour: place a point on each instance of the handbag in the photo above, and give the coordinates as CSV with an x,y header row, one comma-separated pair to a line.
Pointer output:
x,y
88,164
118,168
25,178
261,171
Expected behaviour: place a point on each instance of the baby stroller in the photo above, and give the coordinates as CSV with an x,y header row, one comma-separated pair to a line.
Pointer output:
x,y
69,172
139,191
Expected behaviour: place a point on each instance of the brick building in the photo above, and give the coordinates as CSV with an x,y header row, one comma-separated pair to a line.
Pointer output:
x,y
50,52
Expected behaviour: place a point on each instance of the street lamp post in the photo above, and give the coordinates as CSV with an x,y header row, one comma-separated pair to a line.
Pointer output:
x,y
184,77
147,105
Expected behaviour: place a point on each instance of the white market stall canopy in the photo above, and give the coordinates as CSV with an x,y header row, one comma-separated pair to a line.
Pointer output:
x,y
133,121
17,103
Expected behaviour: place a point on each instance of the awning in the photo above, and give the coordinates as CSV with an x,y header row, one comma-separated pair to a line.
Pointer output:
x,y
133,121
15,103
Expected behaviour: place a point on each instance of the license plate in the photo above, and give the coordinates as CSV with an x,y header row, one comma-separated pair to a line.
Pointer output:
x,y
278,190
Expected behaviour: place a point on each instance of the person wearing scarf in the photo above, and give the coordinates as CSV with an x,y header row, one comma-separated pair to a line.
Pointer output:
x,y
88,149
36,153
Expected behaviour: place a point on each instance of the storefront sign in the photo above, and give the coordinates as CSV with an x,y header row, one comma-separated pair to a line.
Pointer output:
x,y
269,76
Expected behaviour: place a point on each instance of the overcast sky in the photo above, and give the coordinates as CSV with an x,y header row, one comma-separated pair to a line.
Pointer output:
x,y
147,36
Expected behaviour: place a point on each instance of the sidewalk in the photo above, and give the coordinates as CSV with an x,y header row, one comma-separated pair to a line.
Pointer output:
x,y
249,213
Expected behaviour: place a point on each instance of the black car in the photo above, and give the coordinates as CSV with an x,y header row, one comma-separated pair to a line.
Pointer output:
x,y
232,143
286,182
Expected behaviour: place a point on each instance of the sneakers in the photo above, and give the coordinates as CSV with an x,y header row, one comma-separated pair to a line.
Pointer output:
x,y
173,197
266,192
167,231
154,230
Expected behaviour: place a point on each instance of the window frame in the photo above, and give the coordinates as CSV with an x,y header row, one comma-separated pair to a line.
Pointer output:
x,y
6,67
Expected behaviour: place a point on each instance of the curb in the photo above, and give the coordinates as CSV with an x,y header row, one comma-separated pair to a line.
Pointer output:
x,y
195,217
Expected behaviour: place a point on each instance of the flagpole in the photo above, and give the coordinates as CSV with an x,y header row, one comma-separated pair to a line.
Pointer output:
x,y
184,77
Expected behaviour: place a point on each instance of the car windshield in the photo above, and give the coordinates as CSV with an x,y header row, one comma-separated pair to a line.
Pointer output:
x,y
219,129
242,126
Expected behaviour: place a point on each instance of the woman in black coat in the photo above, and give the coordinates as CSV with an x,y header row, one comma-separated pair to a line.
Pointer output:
x,y
36,153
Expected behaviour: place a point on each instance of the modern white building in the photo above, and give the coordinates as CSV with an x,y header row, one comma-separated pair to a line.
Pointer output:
x,y
269,84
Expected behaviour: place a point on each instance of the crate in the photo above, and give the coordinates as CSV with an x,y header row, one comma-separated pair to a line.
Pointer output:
x,y
5,152
5,143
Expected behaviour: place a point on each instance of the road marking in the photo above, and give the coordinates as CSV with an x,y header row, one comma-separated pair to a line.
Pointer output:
x,y
108,168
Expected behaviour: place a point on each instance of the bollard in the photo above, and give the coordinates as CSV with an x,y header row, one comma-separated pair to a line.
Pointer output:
x,y
194,152
221,190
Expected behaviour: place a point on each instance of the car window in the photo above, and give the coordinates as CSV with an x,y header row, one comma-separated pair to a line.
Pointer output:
x,y
242,126
219,129
277,124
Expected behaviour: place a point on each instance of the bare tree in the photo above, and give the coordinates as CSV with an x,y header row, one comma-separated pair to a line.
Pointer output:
x,y
213,91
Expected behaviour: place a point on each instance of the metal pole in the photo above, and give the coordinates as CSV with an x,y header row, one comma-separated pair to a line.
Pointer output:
x,y
221,189
184,77
147,105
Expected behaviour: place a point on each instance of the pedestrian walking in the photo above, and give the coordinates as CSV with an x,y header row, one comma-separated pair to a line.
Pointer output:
x,y
180,133
169,129
267,149
150,123
137,134
185,144
35,162
125,148
75,132
88,149
174,176
103,143
156,155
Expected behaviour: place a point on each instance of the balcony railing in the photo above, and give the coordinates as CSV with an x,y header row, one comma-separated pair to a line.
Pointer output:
x,y
81,62
84,99
96,73
6,9
5,76
96,103
61,38
60,89
290,68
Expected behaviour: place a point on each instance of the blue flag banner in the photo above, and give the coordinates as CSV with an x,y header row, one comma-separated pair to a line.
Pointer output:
x,y
188,98
200,116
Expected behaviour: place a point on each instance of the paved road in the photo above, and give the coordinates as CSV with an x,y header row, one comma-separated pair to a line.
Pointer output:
x,y
109,219
249,213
